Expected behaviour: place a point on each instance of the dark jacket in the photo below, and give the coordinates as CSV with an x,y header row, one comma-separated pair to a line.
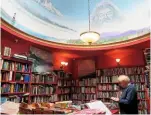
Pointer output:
x,y
128,102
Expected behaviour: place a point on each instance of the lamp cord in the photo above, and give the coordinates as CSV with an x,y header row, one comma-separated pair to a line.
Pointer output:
x,y
89,12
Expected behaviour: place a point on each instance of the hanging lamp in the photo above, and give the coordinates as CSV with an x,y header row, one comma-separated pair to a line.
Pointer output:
x,y
89,36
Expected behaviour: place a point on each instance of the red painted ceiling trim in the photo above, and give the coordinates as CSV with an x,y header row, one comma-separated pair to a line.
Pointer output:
x,y
33,39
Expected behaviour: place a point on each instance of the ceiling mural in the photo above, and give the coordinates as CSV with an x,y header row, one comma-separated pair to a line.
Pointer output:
x,y
62,21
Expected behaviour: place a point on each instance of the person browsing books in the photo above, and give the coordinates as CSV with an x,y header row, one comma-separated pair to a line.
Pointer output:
x,y
128,102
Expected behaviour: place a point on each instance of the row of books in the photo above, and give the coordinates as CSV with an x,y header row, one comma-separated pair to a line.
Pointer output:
x,y
63,90
144,111
75,89
52,98
12,88
88,96
43,78
7,76
147,55
107,87
14,66
84,96
107,94
22,67
75,82
141,95
147,71
140,86
18,99
88,82
8,65
105,99
142,104
120,71
88,90
137,78
64,97
76,102
64,83
107,79
113,79
62,74
40,89
22,77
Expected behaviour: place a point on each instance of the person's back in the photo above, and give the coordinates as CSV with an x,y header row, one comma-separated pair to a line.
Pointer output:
x,y
128,100
131,105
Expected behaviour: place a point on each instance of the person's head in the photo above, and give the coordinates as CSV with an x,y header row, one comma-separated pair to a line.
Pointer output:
x,y
123,81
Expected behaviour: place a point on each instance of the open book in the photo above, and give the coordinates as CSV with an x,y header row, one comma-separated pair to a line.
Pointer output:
x,y
9,107
98,105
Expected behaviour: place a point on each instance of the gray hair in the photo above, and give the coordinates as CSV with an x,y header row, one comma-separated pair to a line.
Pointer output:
x,y
123,78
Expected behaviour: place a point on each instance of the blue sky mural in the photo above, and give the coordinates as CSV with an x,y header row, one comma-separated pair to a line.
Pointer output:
x,y
63,20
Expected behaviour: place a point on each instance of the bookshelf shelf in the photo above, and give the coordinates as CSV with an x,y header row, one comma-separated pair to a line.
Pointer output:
x,y
65,79
104,97
16,60
22,72
83,86
34,95
14,93
41,83
107,90
89,93
12,82
63,93
64,86
108,83
5,70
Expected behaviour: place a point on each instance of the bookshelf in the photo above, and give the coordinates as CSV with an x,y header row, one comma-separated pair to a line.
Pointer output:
x,y
15,78
107,84
43,87
147,76
84,89
64,85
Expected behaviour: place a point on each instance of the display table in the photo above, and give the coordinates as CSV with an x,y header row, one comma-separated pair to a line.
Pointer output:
x,y
65,111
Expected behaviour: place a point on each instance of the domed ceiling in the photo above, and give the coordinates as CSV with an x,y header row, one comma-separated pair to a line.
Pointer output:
x,y
62,21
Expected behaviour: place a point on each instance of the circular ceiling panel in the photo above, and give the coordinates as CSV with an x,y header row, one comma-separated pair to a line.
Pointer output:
x,y
62,21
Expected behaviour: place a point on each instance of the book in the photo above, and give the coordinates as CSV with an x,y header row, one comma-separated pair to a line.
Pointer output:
x,y
10,107
40,99
98,105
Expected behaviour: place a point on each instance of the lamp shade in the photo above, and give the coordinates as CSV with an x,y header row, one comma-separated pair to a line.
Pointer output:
x,y
89,37
117,60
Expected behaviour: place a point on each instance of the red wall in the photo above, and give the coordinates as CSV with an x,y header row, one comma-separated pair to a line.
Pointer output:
x,y
128,57
23,46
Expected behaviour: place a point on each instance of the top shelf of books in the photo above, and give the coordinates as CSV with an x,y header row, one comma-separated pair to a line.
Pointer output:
x,y
16,60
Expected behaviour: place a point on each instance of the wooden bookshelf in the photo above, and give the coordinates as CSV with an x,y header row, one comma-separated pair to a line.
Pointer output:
x,y
84,89
147,75
43,86
23,69
64,85
106,86
13,83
